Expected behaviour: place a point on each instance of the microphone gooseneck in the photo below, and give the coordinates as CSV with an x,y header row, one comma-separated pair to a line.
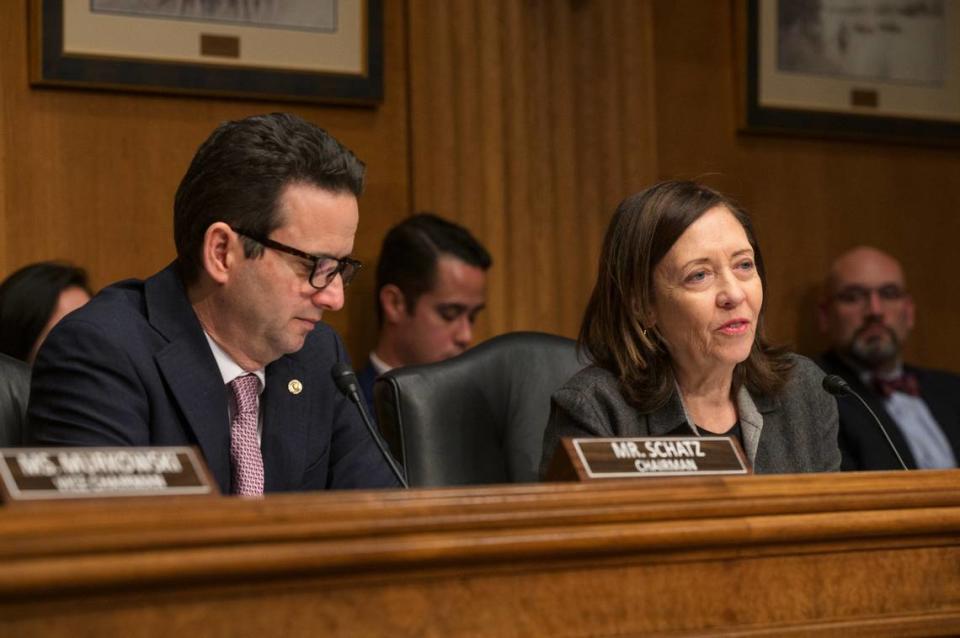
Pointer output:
x,y
837,386
346,382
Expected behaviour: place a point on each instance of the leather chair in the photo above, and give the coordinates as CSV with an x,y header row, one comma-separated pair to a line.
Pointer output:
x,y
14,391
479,417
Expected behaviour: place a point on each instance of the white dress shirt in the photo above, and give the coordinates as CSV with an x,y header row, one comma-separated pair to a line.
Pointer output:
x,y
926,440
230,370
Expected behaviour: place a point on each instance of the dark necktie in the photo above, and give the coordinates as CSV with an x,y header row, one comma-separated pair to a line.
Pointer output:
x,y
906,383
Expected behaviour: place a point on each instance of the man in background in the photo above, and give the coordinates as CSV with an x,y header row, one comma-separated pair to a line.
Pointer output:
x,y
868,314
225,348
431,285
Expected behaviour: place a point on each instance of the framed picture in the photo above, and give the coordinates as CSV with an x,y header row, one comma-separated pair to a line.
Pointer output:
x,y
886,69
303,50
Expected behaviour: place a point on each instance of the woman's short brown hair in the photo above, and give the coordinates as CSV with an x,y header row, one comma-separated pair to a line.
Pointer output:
x,y
643,229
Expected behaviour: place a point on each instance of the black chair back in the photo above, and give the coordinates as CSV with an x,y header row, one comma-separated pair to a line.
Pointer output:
x,y
479,417
14,392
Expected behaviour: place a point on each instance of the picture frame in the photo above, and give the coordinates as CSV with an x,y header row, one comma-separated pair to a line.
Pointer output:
x,y
91,44
868,92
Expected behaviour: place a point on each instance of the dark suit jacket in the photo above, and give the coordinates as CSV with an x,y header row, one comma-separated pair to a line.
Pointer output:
x,y
794,431
14,390
861,442
365,378
133,367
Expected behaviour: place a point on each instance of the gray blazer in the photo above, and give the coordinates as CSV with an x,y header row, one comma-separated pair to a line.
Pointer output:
x,y
794,431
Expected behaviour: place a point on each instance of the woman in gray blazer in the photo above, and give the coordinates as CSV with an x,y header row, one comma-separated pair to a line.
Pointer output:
x,y
674,330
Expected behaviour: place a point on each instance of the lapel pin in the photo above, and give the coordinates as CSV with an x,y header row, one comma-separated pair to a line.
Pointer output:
x,y
295,387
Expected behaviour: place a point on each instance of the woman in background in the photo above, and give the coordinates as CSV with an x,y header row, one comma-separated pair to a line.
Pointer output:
x,y
33,300
674,330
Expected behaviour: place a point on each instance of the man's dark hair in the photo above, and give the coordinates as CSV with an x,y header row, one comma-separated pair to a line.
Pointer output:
x,y
240,171
28,298
408,257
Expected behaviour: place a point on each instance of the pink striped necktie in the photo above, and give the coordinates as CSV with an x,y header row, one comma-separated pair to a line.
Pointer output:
x,y
245,458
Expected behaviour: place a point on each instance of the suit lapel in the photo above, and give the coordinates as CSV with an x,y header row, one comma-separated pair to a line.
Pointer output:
x,y
285,423
670,419
943,411
876,404
199,392
190,371
751,422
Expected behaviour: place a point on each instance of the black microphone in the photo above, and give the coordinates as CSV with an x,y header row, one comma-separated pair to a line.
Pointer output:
x,y
346,382
837,386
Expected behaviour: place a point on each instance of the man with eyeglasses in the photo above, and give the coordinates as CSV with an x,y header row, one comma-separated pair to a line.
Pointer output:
x,y
867,314
225,348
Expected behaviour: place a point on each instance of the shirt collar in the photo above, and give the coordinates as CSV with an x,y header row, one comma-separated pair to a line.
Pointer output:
x,y
378,364
229,369
865,375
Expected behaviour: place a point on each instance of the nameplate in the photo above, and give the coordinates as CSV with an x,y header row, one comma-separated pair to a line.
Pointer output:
x,y
36,474
605,458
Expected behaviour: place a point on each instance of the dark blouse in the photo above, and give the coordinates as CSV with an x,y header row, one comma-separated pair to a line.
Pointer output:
x,y
735,431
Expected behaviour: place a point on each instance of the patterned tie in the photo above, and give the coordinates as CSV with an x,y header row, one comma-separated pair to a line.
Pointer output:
x,y
907,383
245,458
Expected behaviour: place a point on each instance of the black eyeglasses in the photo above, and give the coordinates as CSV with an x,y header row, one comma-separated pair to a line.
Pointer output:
x,y
325,267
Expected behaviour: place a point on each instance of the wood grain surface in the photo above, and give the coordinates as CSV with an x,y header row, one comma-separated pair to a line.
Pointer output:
x,y
854,554
526,121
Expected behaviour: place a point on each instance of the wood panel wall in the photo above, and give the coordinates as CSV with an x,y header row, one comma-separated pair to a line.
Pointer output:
x,y
4,79
527,121
89,176
810,198
531,120
857,555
